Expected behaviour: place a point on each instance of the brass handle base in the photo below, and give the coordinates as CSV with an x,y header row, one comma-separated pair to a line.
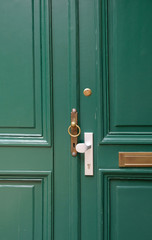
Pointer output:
x,y
73,131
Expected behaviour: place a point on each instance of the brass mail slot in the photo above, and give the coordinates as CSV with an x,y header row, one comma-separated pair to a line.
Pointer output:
x,y
135,159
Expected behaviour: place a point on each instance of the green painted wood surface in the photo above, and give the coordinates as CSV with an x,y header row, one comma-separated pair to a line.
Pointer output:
x,y
125,203
26,130
124,119
126,72
130,56
24,73
115,62
50,52
130,208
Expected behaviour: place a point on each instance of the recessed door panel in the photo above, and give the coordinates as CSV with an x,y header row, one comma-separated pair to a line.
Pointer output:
x,y
127,71
22,207
125,204
130,72
17,64
24,73
130,209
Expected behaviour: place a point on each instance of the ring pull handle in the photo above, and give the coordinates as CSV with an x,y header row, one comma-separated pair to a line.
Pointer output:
x,y
73,124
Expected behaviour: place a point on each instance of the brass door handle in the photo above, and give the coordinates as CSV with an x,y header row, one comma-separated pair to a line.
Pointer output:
x,y
74,131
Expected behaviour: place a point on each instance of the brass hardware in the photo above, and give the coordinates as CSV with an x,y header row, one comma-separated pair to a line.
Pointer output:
x,y
74,131
74,135
135,159
73,124
87,92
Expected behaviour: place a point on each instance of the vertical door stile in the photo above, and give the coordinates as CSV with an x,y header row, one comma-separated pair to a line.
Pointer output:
x,y
74,102
89,67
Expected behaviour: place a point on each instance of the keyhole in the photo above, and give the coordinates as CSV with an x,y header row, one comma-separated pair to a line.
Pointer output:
x,y
88,166
73,145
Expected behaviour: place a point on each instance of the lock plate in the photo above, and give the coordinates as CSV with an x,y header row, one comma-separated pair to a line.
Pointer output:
x,y
74,140
87,149
88,155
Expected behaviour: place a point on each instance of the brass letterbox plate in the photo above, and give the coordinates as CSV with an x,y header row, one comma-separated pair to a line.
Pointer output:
x,y
135,159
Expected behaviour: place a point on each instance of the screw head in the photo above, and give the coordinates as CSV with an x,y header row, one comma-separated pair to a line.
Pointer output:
x,y
74,154
73,124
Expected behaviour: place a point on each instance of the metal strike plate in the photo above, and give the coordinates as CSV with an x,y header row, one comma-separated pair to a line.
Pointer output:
x,y
87,149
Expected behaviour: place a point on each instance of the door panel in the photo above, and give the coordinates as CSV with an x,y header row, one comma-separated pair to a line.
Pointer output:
x,y
131,209
127,71
17,42
125,83
106,46
24,205
130,56
24,74
115,62
126,205
26,130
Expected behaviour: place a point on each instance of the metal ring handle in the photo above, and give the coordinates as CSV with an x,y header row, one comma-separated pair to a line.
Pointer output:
x,y
76,134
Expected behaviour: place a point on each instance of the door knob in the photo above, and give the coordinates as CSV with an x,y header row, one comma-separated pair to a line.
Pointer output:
x,y
87,149
82,147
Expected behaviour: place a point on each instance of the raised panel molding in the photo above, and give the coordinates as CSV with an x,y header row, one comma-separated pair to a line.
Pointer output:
x,y
129,182
26,197
26,92
125,121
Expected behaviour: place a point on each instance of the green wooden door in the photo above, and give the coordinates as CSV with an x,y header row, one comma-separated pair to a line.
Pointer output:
x,y
50,51
104,45
26,153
